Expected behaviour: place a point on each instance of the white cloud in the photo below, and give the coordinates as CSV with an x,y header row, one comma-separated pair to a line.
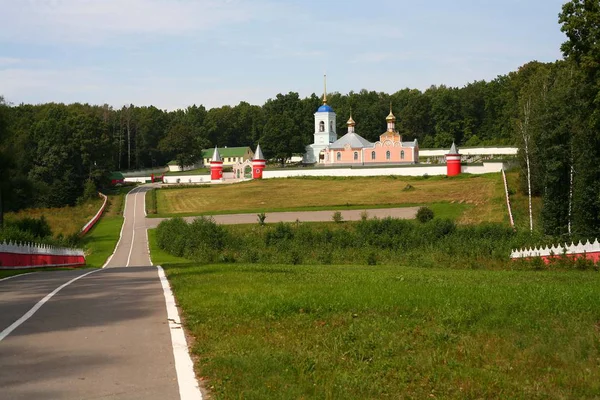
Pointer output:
x,y
100,20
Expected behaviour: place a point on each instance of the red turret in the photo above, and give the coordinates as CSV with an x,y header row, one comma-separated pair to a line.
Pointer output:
x,y
258,163
216,167
453,161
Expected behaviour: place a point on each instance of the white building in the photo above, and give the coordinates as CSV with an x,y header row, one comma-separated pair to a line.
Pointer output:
x,y
325,131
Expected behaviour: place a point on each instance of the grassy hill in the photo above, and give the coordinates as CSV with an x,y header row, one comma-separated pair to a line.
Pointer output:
x,y
482,195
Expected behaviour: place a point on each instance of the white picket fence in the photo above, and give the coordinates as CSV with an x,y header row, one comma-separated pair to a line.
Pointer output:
x,y
571,249
32,248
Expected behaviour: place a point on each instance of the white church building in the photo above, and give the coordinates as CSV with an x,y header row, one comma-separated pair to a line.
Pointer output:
x,y
325,132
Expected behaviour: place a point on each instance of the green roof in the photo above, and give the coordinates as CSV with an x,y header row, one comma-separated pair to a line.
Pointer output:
x,y
115,175
226,152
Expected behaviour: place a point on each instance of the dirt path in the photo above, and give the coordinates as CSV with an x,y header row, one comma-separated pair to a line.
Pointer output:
x,y
302,216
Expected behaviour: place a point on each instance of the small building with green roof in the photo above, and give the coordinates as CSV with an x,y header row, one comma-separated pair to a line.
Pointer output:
x,y
229,155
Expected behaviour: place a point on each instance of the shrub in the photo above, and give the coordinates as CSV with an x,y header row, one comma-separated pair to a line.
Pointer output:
x,y
90,191
207,240
37,227
424,214
280,233
364,215
371,258
261,218
337,217
172,236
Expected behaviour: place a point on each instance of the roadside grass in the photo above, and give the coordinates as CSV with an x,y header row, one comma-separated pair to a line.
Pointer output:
x,y
481,195
100,242
272,332
66,220
161,257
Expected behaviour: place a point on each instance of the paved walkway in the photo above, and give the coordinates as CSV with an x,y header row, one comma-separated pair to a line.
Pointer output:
x,y
302,216
105,335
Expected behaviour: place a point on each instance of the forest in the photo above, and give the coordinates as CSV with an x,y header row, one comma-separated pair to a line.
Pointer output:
x,y
550,110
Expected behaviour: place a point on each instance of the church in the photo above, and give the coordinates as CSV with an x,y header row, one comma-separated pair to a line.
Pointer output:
x,y
353,149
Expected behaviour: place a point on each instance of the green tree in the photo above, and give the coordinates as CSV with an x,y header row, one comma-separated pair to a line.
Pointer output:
x,y
183,144
580,21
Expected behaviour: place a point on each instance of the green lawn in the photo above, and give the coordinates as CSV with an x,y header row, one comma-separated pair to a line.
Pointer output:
x,y
101,241
481,195
357,332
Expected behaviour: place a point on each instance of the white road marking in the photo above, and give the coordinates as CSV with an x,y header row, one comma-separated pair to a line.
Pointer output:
x,y
133,228
14,276
120,234
186,378
37,306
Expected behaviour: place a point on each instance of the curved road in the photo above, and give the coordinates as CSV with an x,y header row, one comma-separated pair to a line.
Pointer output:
x,y
104,335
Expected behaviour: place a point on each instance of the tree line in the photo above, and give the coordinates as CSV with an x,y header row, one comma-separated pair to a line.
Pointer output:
x,y
558,128
550,110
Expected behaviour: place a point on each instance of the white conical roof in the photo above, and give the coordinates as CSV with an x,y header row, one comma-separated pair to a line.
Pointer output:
x,y
258,154
216,156
453,149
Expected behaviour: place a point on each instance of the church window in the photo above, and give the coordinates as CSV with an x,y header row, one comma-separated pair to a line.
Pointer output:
x,y
402,155
331,126
355,155
388,155
321,126
372,155
339,156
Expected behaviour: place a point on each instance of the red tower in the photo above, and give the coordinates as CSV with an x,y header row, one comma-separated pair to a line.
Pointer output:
x,y
453,161
216,167
258,163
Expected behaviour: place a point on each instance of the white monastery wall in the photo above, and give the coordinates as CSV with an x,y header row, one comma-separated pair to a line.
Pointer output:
x,y
473,151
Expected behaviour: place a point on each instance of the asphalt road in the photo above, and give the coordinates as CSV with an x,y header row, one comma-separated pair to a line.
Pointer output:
x,y
105,335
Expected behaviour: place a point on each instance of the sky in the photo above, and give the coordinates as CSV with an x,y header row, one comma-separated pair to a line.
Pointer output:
x,y
175,53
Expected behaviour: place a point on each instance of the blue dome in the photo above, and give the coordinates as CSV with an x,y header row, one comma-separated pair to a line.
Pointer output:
x,y
325,108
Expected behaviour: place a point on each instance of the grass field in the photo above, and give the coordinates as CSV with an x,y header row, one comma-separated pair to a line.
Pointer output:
x,y
483,195
65,220
350,332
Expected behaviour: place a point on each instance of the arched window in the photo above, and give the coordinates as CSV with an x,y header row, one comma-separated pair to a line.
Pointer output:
x,y
331,126
339,156
372,155
322,126
402,155
355,155
388,155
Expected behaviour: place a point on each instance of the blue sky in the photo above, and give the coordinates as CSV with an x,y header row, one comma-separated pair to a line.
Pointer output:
x,y
174,53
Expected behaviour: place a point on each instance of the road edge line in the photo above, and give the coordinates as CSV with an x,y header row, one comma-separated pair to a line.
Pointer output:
x,y
186,377
39,304
14,276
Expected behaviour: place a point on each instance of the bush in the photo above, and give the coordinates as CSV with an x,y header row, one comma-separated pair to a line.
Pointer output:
x,y
261,218
172,236
424,214
207,240
37,227
90,191
282,232
337,217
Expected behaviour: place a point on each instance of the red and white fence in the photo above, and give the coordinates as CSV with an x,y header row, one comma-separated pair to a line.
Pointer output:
x,y
591,251
17,256
95,218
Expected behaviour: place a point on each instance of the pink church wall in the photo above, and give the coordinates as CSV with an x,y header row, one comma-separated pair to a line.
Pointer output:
x,y
365,155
